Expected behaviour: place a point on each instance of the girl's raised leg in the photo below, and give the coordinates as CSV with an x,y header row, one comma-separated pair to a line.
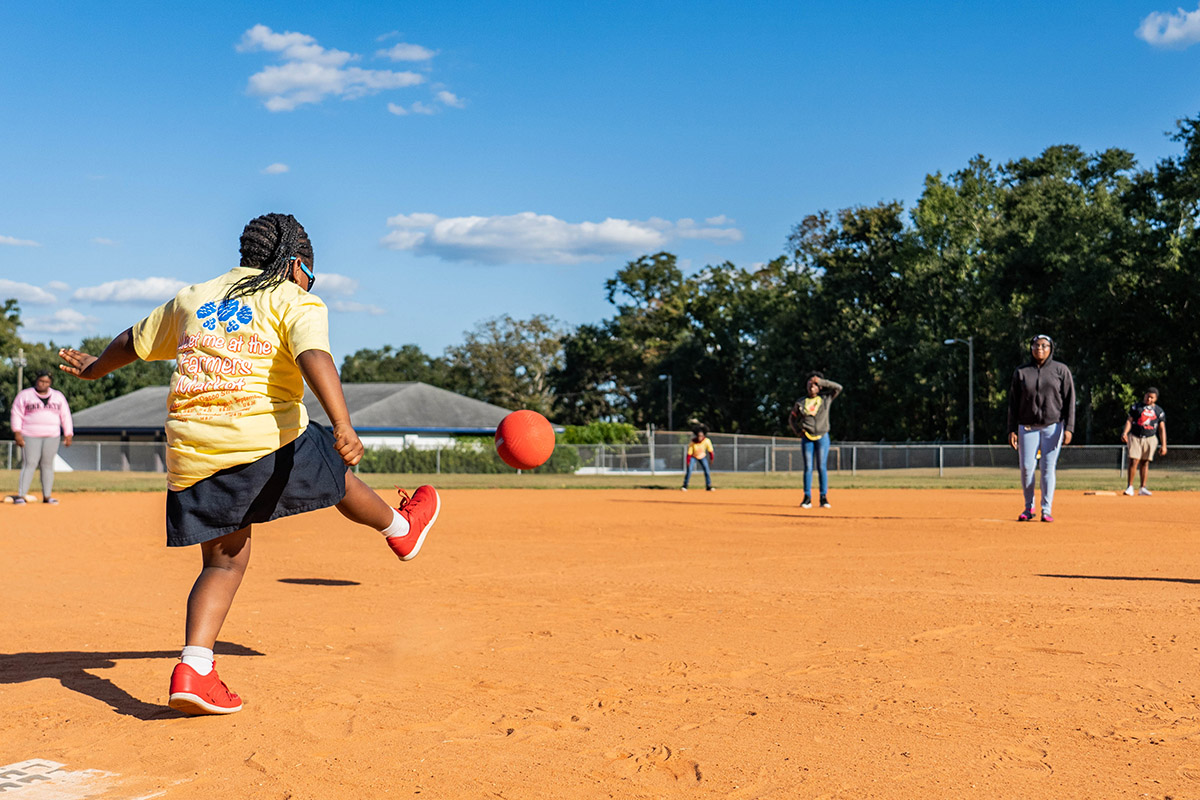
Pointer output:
x,y
405,527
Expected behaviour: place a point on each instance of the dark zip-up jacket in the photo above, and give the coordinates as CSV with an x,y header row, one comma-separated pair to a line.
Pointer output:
x,y
1041,396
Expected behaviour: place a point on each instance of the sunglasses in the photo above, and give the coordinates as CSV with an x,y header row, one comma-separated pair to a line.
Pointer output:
x,y
312,278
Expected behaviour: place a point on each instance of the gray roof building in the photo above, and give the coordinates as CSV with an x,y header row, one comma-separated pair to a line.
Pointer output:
x,y
375,408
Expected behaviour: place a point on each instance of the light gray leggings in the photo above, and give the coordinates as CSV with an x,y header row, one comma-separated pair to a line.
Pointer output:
x,y
39,453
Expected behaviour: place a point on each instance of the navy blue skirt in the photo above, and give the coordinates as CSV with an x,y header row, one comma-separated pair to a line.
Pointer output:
x,y
304,475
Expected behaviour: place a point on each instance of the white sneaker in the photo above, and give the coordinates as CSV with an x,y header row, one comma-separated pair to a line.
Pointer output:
x,y
1128,491
1144,492
683,488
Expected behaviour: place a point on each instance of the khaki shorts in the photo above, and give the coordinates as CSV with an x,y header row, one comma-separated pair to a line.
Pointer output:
x,y
1141,448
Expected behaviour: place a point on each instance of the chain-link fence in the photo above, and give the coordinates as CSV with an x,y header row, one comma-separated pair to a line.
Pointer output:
x,y
663,452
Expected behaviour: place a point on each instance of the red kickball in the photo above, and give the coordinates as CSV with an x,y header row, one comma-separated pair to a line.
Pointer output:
x,y
524,439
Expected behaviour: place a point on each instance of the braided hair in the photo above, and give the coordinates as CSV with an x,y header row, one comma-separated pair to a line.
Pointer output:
x,y
270,242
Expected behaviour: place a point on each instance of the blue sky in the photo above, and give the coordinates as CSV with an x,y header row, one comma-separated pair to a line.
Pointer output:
x,y
457,161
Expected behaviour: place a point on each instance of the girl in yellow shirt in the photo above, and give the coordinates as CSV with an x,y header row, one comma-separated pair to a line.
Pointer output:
x,y
240,449
699,450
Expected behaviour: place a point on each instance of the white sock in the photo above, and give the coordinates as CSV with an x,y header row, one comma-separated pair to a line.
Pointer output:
x,y
399,526
198,658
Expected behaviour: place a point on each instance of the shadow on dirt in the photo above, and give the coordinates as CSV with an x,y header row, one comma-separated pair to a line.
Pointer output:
x,y
72,668
1121,578
319,582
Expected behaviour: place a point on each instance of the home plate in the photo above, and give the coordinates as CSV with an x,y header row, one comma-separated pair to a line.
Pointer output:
x,y
1102,494
40,779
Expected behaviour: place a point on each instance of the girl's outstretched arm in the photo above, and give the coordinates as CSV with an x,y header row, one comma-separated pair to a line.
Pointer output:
x,y
119,352
322,377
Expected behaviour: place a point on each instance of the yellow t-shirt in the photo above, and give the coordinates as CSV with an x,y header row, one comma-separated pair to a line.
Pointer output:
x,y
236,393
811,406
699,449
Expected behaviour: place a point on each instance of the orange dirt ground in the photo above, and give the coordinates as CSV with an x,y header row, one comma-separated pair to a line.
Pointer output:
x,y
628,644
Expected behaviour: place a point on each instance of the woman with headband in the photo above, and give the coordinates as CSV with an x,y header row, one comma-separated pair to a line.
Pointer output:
x,y
1041,419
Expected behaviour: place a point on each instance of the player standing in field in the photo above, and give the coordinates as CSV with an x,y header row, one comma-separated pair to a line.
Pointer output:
x,y
809,420
1041,418
240,449
40,415
1143,426
700,451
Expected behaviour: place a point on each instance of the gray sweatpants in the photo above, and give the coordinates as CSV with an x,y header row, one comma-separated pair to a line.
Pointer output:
x,y
39,453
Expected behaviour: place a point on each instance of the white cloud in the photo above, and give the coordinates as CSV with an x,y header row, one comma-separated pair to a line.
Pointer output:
x,y
688,229
65,320
58,286
106,242
538,238
131,290
293,46
1164,29
451,99
12,241
275,169
310,73
332,283
407,52
351,307
25,292
417,108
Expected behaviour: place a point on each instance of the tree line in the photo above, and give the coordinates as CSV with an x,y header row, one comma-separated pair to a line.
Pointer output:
x,y
1090,248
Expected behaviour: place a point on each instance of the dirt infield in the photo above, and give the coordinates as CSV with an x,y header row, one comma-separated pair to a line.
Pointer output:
x,y
586,644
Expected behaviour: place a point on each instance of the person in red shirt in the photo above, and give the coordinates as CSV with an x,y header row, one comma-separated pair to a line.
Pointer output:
x,y
1145,431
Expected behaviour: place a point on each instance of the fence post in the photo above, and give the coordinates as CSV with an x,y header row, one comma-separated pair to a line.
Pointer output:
x,y
766,458
941,461
854,460
97,456
438,460
651,435
735,452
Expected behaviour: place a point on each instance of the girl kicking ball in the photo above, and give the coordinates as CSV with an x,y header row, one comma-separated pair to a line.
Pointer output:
x,y
240,449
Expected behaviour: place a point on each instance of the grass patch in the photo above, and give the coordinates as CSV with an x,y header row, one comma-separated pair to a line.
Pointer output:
x,y
973,478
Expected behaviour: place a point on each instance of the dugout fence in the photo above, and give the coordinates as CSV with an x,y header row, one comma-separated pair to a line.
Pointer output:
x,y
663,452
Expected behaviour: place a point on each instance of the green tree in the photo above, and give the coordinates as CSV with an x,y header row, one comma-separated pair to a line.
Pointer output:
x,y
510,362
611,370
392,365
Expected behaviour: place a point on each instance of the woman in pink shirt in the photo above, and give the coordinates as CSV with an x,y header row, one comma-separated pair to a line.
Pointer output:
x,y
39,416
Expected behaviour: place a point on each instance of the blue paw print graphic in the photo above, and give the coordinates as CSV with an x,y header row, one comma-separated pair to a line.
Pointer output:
x,y
231,312
244,315
227,309
205,312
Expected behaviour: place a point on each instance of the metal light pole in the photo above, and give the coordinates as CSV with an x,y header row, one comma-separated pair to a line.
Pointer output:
x,y
20,362
970,343
670,402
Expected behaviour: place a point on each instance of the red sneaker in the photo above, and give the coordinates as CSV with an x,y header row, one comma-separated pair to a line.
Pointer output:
x,y
195,694
421,511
